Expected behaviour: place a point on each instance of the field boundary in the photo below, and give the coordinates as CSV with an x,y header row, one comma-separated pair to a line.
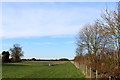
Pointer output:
x,y
77,66
87,71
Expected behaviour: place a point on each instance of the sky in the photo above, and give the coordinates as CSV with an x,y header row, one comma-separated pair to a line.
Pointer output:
x,y
47,30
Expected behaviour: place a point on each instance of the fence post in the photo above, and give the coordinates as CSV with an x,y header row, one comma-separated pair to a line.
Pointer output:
x,y
79,65
90,73
96,74
109,77
86,71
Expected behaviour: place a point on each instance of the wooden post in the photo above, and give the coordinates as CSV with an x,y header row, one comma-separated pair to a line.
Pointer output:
x,y
96,74
86,71
79,66
90,73
109,77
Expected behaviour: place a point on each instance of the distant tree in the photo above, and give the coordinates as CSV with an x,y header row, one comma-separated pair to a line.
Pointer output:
x,y
64,59
16,52
5,56
33,59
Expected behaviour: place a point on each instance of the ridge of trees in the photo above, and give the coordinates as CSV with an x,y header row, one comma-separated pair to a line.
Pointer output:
x,y
98,44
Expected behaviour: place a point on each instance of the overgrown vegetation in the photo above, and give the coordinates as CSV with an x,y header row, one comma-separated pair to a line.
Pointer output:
x,y
99,45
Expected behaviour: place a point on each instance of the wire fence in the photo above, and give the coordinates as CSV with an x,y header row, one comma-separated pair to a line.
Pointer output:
x,y
87,71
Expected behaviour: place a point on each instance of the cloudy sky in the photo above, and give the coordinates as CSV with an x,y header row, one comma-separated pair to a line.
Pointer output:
x,y
47,29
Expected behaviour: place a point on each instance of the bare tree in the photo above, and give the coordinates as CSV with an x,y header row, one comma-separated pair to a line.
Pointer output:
x,y
112,23
84,38
100,44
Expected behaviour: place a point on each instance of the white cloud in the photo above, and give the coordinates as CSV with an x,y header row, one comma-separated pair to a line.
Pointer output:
x,y
30,22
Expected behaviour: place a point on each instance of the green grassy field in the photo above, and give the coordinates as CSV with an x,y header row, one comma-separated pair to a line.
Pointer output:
x,y
40,69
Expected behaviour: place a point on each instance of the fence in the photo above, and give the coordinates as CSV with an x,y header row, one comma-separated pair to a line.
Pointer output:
x,y
87,71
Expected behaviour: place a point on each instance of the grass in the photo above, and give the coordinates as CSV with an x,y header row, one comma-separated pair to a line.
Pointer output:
x,y
40,69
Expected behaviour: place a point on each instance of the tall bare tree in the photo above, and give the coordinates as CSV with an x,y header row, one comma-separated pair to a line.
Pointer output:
x,y
112,22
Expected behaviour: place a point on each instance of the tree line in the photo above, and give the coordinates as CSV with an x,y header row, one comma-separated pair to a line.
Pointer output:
x,y
16,53
34,59
98,44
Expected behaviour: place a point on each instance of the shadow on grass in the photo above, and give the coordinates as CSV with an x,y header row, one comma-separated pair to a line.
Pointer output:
x,y
9,64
